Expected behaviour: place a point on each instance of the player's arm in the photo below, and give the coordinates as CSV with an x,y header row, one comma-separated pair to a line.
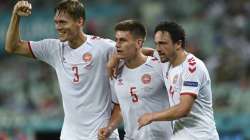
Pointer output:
x,y
178,111
148,51
13,43
112,65
115,120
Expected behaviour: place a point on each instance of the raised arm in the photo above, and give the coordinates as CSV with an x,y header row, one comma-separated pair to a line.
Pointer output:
x,y
13,42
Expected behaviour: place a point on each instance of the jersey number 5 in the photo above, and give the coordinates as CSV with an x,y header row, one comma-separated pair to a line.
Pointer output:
x,y
76,75
133,95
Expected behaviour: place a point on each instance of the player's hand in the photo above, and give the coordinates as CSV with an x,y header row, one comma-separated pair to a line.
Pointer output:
x,y
104,133
112,66
145,119
22,8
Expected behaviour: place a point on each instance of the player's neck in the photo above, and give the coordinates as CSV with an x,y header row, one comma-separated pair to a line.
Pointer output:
x,y
180,58
136,61
77,41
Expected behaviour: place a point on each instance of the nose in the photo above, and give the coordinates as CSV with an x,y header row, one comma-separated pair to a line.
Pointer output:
x,y
58,27
117,45
158,48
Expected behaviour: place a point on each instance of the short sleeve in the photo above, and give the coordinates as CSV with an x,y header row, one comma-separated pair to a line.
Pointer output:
x,y
45,50
191,80
155,62
113,93
110,47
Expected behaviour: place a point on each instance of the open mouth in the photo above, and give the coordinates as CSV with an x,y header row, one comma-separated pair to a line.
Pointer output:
x,y
119,51
61,33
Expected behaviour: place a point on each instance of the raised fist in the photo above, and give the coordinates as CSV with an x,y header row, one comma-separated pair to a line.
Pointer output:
x,y
22,8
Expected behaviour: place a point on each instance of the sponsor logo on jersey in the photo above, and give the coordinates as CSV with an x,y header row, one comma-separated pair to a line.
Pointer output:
x,y
190,84
120,82
88,67
146,79
192,65
87,57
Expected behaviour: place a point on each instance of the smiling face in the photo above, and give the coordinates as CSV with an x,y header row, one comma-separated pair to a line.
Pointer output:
x,y
127,46
165,46
66,26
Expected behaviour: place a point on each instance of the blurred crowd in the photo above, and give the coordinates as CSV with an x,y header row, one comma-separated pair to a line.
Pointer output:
x,y
218,32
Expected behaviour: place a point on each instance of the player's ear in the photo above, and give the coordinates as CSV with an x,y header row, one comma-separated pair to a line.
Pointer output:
x,y
140,42
178,44
81,21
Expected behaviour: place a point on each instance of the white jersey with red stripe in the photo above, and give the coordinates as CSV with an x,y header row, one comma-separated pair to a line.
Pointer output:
x,y
83,82
191,78
142,90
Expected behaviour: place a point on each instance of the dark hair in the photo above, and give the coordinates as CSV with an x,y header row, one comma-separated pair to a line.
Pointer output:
x,y
175,31
136,29
73,7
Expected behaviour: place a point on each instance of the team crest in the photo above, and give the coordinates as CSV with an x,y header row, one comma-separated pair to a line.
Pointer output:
x,y
146,79
87,57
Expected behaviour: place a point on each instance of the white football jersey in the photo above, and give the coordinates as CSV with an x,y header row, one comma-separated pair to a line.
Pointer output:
x,y
142,90
83,82
191,77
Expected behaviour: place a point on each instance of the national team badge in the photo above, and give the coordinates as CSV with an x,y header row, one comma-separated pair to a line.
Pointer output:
x,y
146,79
175,79
87,57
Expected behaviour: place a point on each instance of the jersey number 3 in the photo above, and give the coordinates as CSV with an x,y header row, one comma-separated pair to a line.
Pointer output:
x,y
133,95
76,74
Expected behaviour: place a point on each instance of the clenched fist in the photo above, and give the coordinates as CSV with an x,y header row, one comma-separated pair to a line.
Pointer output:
x,y
22,8
104,133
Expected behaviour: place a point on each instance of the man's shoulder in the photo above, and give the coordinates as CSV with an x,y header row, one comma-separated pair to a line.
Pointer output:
x,y
194,64
151,60
99,41
52,40
153,63
46,43
49,42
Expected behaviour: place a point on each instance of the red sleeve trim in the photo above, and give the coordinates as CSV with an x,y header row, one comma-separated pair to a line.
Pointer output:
x,y
31,50
190,94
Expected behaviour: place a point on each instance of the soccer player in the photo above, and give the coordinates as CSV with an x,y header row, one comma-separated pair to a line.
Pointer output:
x,y
80,64
139,87
189,88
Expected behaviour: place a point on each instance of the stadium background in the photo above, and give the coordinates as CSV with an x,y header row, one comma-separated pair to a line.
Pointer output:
x,y
218,31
